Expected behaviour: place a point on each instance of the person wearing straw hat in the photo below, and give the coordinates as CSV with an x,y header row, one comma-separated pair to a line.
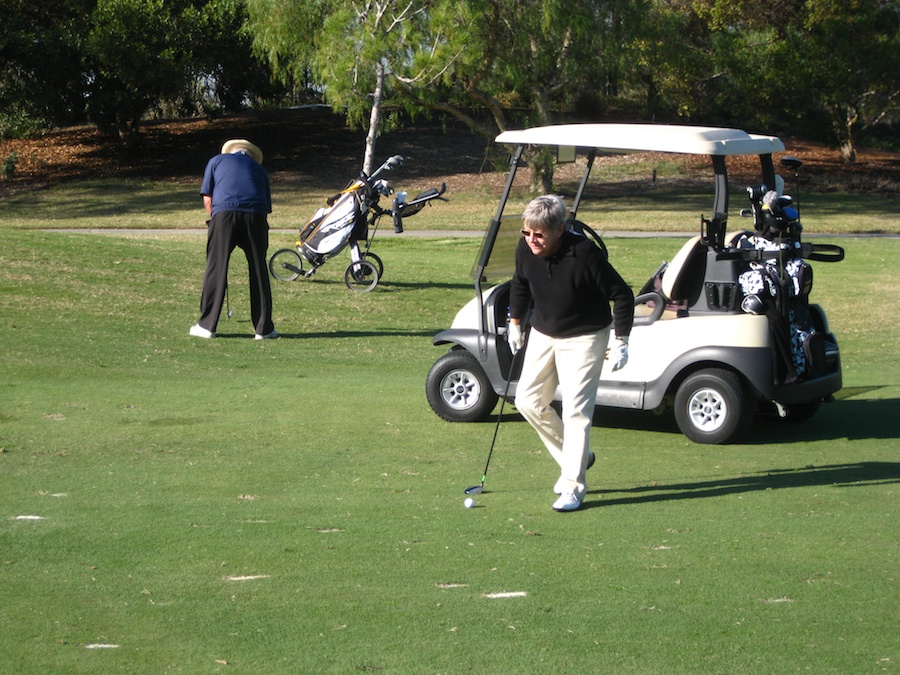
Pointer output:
x,y
238,199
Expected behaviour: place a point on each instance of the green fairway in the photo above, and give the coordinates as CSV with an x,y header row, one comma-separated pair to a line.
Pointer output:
x,y
171,504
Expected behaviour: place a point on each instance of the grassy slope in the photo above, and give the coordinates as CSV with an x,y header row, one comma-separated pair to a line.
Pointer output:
x,y
163,466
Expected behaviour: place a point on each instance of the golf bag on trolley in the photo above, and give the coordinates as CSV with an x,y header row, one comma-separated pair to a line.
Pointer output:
x,y
345,221
341,222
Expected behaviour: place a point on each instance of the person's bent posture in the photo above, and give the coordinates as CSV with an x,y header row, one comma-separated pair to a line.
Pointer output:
x,y
237,198
571,284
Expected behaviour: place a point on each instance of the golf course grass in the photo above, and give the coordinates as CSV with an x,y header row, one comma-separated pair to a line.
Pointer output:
x,y
171,504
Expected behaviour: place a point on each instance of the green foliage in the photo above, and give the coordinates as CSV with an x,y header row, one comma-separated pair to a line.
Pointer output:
x,y
8,168
40,65
137,53
822,68
852,57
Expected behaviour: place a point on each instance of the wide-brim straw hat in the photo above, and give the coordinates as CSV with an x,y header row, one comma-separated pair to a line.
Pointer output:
x,y
236,144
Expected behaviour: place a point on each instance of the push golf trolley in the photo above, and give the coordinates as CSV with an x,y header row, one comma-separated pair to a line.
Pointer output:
x,y
350,218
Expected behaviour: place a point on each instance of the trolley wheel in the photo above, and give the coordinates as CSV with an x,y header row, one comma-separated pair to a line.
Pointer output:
x,y
375,260
286,264
361,276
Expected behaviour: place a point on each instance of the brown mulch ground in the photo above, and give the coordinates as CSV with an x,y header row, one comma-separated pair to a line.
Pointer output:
x,y
316,147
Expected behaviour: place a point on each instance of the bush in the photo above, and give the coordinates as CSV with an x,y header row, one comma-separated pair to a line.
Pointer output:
x,y
9,165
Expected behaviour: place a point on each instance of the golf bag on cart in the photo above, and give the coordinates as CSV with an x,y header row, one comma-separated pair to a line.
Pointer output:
x,y
779,282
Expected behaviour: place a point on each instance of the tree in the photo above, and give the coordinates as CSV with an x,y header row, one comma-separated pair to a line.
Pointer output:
x,y
40,64
800,61
225,73
850,60
284,35
136,53
535,57
449,56
361,44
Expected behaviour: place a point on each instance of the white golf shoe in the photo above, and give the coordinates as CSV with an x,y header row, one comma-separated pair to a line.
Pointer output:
x,y
199,331
267,336
569,501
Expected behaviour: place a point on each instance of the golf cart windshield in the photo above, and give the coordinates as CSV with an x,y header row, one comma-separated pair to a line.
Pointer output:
x,y
502,262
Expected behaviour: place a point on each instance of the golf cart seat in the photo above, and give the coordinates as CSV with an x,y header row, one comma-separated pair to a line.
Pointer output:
x,y
681,276
698,279
673,283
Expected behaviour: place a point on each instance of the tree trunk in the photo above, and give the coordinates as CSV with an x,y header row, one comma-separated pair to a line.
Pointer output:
x,y
844,121
541,163
848,150
374,119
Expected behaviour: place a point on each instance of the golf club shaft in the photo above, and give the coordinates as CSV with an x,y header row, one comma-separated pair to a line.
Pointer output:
x,y
499,419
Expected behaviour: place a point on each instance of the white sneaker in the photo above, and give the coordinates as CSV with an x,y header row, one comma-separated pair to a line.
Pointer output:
x,y
199,331
560,483
267,336
568,501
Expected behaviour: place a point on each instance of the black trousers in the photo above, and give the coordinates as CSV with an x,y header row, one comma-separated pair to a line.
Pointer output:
x,y
249,232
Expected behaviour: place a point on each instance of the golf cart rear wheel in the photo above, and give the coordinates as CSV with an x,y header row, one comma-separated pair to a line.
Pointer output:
x,y
712,406
375,260
458,389
286,264
361,276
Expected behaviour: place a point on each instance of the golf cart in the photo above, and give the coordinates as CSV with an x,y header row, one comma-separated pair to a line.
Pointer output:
x,y
722,331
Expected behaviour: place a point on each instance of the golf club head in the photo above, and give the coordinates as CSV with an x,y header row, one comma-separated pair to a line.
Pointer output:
x,y
475,490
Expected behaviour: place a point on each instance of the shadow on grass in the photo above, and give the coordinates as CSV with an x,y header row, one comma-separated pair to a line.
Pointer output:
x,y
850,419
834,475
386,285
336,334
425,285
853,420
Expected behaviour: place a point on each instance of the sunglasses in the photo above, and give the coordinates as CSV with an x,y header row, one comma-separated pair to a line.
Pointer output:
x,y
533,234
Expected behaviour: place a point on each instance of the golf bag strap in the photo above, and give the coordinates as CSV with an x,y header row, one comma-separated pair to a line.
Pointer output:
x,y
823,252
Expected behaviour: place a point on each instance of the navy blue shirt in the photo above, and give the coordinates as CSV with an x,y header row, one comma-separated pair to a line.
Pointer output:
x,y
237,183
571,290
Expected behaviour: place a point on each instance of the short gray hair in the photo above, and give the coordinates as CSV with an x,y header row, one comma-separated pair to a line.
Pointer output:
x,y
545,213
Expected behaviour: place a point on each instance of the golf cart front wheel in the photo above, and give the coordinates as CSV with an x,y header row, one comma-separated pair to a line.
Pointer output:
x,y
286,264
712,406
458,389
361,276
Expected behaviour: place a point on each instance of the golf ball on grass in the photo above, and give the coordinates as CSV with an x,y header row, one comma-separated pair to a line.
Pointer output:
x,y
469,502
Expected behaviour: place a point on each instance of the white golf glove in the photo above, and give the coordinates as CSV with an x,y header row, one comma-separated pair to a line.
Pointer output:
x,y
618,353
515,337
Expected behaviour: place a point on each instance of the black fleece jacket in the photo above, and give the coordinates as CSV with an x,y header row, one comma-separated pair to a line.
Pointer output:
x,y
571,290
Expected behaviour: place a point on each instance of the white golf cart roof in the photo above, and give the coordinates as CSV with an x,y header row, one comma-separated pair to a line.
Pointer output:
x,y
647,138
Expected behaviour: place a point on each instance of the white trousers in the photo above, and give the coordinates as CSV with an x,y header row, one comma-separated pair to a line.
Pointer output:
x,y
574,365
